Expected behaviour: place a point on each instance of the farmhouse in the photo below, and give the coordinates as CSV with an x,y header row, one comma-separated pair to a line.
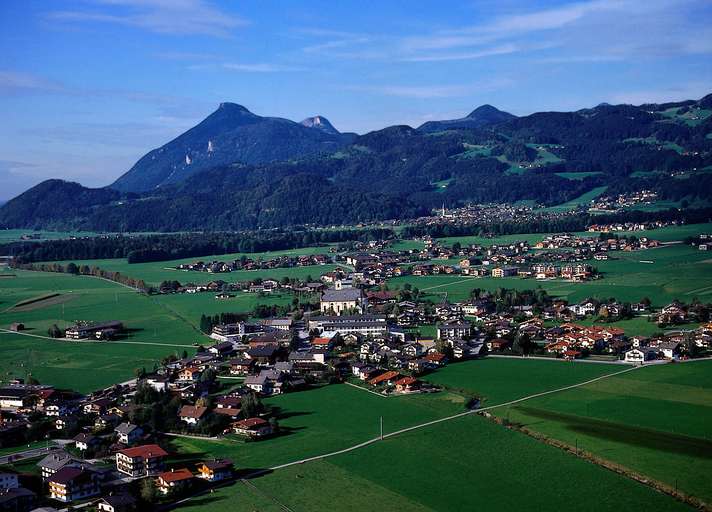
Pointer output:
x,y
192,414
117,503
98,330
640,355
53,462
454,330
215,470
126,433
173,481
252,427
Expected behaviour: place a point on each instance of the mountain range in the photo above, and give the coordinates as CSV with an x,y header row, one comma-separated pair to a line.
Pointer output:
x,y
238,170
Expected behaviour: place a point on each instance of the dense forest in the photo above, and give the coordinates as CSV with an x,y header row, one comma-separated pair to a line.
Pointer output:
x,y
162,247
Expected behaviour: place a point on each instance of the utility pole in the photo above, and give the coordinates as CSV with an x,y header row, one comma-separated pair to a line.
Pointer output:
x,y
381,428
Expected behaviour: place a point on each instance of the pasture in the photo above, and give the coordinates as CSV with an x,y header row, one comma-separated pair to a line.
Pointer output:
x,y
154,331
578,201
155,272
464,464
15,235
500,380
654,420
676,272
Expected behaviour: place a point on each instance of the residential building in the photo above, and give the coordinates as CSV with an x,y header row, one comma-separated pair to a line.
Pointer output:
x,y
215,470
73,483
175,480
140,460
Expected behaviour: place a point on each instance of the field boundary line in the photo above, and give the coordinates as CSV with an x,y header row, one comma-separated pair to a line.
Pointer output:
x,y
92,342
366,390
441,420
374,440
448,284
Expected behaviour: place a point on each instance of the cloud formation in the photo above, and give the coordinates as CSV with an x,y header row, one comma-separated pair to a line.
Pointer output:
x,y
178,17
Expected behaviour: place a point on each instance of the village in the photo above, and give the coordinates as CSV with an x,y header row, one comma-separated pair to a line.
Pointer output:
x,y
108,447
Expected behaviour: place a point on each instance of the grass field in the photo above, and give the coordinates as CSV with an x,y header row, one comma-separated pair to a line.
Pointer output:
x,y
155,331
155,272
464,464
654,420
15,235
500,380
578,175
327,419
580,200
677,272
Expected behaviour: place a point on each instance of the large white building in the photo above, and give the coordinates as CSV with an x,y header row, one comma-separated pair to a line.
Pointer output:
x,y
340,301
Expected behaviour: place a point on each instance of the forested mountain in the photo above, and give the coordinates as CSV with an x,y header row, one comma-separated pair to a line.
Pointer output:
x,y
230,134
315,175
485,115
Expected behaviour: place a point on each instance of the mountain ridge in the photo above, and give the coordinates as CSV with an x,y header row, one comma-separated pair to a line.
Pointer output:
x,y
396,172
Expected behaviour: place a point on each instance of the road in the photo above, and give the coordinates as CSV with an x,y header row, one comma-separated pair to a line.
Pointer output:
x,y
33,453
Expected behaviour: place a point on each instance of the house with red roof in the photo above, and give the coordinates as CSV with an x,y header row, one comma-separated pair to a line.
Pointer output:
x,y
253,427
385,378
175,480
407,385
141,460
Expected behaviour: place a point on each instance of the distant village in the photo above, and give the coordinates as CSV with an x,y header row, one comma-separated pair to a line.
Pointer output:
x,y
111,448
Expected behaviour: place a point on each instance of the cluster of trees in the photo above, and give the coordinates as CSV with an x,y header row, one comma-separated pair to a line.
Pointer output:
x,y
160,247
207,322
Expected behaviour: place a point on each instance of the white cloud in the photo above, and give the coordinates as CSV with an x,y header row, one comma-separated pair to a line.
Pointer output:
x,y
262,67
18,81
180,17
435,91
471,55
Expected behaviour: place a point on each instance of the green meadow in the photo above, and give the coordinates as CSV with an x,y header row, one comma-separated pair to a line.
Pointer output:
x,y
499,380
154,331
15,235
461,464
466,464
155,272
578,201
662,274
654,420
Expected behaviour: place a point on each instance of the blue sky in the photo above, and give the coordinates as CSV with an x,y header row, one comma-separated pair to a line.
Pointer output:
x,y
88,86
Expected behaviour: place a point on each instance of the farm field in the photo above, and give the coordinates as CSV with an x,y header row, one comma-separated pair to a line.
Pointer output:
x,y
666,234
326,419
317,421
500,380
676,272
83,367
582,199
155,272
15,235
654,420
578,175
191,305
153,330
419,471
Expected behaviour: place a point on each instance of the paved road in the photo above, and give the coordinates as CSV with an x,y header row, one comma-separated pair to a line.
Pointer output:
x,y
34,452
